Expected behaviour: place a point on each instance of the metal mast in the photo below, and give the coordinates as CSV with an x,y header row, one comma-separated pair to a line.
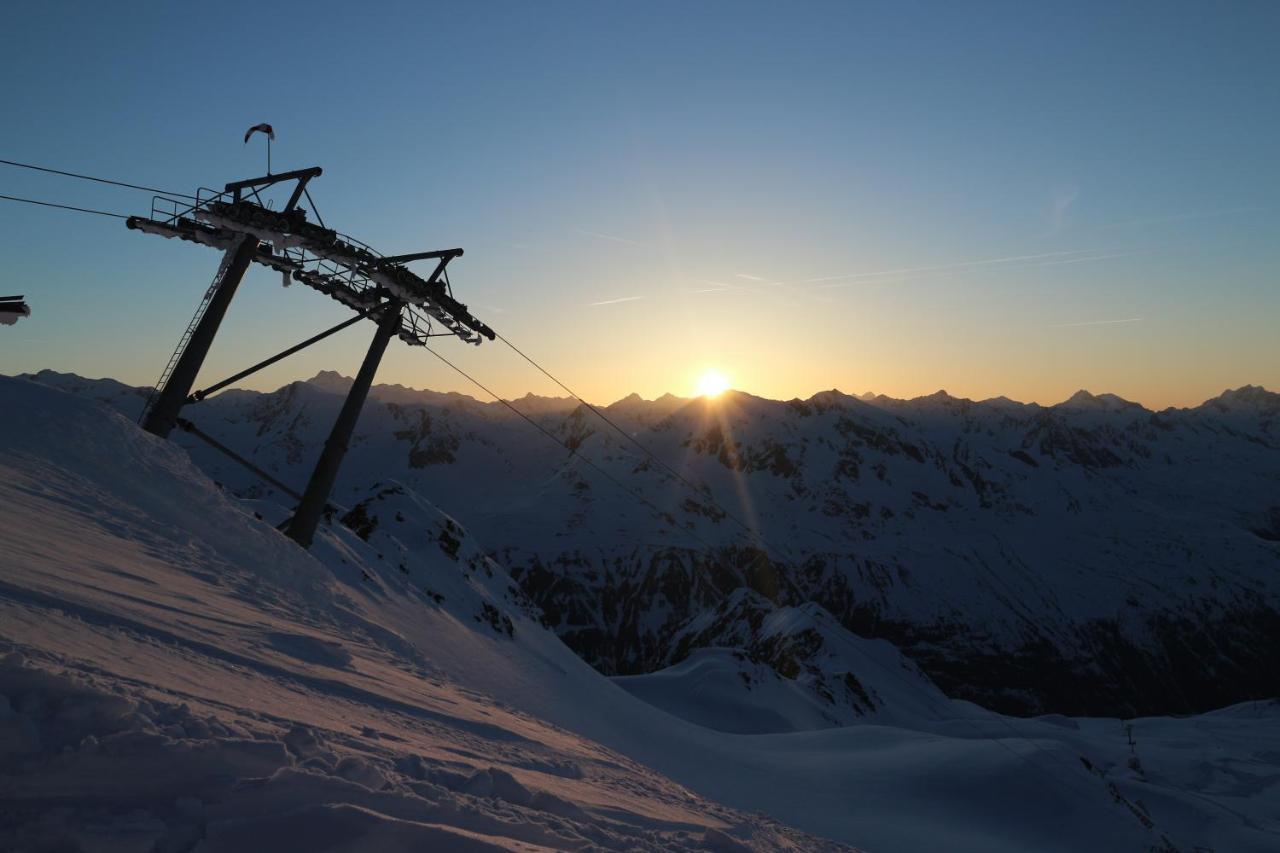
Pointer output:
x,y
379,287
161,413
302,527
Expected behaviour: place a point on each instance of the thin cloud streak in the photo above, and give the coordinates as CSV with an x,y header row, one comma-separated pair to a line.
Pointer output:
x,y
1087,260
614,301
601,236
955,266
748,277
723,287
765,288
1096,323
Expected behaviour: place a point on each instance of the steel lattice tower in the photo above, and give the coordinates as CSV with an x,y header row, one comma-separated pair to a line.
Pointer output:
x,y
380,288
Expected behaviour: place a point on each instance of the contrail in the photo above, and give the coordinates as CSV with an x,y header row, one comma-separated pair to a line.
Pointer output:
x,y
722,287
1086,259
601,236
1096,323
959,265
615,301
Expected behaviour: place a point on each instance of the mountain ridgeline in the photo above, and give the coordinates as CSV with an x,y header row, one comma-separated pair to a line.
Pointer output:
x,y
1092,557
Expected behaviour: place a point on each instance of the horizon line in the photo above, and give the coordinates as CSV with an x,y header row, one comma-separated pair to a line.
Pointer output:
x,y
867,397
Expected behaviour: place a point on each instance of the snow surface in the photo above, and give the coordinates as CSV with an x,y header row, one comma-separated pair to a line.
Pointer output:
x,y
179,676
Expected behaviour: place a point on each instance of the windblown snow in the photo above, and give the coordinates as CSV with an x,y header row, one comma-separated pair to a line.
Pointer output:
x,y
179,676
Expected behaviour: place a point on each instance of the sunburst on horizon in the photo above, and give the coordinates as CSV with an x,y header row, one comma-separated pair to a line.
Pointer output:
x,y
711,384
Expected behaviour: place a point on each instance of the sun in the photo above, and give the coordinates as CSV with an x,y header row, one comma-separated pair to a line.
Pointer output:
x,y
712,383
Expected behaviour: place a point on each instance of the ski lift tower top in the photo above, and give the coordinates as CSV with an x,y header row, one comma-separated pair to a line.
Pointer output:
x,y
380,287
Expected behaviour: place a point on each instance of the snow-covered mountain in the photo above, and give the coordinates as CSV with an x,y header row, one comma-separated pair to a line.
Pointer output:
x,y
751,666
176,675
1090,557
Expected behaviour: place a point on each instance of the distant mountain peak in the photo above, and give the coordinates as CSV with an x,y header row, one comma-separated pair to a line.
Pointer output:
x,y
535,404
937,398
1245,395
1082,400
529,395
833,395
332,381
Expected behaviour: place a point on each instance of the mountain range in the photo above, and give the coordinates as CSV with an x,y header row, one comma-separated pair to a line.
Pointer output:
x,y
1092,557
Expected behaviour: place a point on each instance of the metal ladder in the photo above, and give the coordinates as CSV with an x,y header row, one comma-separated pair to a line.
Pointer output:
x,y
186,336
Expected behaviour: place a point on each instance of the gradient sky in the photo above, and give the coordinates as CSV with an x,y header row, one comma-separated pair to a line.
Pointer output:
x,y
988,198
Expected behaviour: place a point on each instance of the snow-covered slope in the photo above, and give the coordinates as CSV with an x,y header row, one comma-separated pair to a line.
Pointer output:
x,y
179,676
179,672
751,666
1090,557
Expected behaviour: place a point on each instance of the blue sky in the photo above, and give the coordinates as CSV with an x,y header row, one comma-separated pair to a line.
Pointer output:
x,y
988,198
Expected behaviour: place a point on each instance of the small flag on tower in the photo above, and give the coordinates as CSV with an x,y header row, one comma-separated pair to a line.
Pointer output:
x,y
11,308
262,128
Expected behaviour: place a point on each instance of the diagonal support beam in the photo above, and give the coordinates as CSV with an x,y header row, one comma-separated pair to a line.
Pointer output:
x,y
188,426
198,396
439,255
306,518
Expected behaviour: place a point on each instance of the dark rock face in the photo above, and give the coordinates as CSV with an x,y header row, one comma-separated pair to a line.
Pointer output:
x,y
1184,665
